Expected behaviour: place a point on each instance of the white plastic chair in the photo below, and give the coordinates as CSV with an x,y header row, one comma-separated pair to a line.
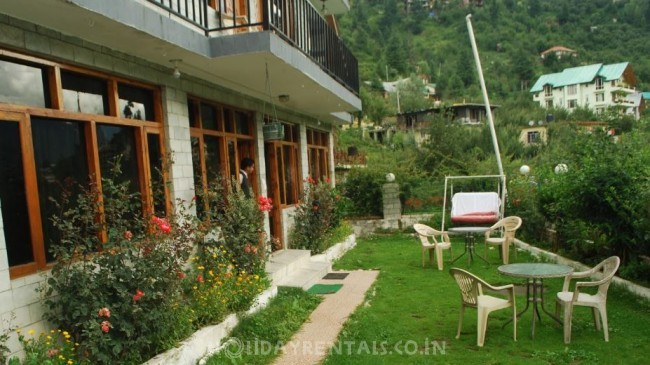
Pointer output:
x,y
603,273
427,236
471,290
507,226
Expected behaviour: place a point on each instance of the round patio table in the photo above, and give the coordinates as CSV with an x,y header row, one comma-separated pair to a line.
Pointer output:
x,y
535,273
470,233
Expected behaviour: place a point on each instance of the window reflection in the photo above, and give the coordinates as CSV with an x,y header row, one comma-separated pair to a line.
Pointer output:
x,y
61,165
135,102
84,94
13,197
23,84
117,144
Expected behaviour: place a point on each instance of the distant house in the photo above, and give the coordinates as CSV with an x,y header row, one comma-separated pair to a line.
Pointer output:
x,y
645,100
559,52
537,133
464,113
596,87
428,89
533,134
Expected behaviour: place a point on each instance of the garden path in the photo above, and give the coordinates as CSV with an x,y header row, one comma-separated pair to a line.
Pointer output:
x,y
312,343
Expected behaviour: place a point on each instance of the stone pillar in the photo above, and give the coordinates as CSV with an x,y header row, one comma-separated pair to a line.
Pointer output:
x,y
392,205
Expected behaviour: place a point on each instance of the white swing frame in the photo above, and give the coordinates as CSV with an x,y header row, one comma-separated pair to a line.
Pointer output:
x,y
501,191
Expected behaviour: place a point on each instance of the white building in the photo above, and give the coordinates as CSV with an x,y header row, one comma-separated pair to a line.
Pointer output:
x,y
84,81
596,87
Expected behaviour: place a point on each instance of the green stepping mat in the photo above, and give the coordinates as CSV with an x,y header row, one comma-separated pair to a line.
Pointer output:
x,y
324,288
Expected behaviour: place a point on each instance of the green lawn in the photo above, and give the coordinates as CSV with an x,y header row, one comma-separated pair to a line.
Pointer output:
x,y
412,311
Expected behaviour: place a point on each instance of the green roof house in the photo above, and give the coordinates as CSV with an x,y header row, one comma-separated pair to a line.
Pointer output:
x,y
595,86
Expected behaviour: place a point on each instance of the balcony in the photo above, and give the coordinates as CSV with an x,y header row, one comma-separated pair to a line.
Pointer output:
x,y
230,43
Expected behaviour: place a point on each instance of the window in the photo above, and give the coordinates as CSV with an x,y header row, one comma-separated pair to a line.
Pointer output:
x,y
284,162
599,83
318,154
600,97
84,94
572,104
548,90
24,83
549,103
221,137
51,140
572,89
533,137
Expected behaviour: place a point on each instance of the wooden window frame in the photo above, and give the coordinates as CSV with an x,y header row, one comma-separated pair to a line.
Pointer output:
x,y
318,148
22,114
244,143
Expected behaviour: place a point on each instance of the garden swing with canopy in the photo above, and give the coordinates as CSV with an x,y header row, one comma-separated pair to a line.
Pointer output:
x,y
477,208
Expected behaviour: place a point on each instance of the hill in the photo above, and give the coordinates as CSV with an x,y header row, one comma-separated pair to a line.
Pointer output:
x,y
394,39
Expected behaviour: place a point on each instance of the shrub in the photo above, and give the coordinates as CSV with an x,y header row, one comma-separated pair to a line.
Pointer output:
x,y
362,192
115,284
317,214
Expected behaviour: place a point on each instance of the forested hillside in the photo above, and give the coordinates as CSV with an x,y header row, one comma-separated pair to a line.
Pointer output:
x,y
399,38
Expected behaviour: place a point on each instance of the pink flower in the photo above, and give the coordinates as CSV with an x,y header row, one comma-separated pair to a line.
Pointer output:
x,y
104,312
52,352
199,278
106,326
162,224
138,294
128,235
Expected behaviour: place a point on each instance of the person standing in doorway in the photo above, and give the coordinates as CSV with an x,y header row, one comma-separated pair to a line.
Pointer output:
x,y
246,167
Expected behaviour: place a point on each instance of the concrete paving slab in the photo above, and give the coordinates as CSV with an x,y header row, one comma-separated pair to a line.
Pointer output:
x,y
312,343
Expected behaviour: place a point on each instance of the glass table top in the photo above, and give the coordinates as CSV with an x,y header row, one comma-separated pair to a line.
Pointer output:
x,y
535,270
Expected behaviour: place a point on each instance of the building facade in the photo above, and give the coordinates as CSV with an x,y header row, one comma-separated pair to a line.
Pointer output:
x,y
596,87
83,82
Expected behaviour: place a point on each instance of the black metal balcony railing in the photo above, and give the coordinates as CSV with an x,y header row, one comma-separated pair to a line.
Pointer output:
x,y
296,21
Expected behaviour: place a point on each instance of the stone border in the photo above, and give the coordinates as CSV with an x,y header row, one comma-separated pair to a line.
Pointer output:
x,y
537,252
207,341
336,251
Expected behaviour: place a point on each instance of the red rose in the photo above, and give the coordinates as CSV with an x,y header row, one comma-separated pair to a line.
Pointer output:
x,y
138,294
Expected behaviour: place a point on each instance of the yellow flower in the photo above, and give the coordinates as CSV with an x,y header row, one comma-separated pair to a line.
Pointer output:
x,y
31,332
200,267
70,362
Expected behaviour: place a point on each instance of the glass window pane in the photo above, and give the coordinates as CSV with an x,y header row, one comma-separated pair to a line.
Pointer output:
x,y
213,154
135,103
157,175
289,174
198,176
23,84
228,120
242,120
13,199
208,117
117,143
60,157
84,94
281,176
232,158
191,112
